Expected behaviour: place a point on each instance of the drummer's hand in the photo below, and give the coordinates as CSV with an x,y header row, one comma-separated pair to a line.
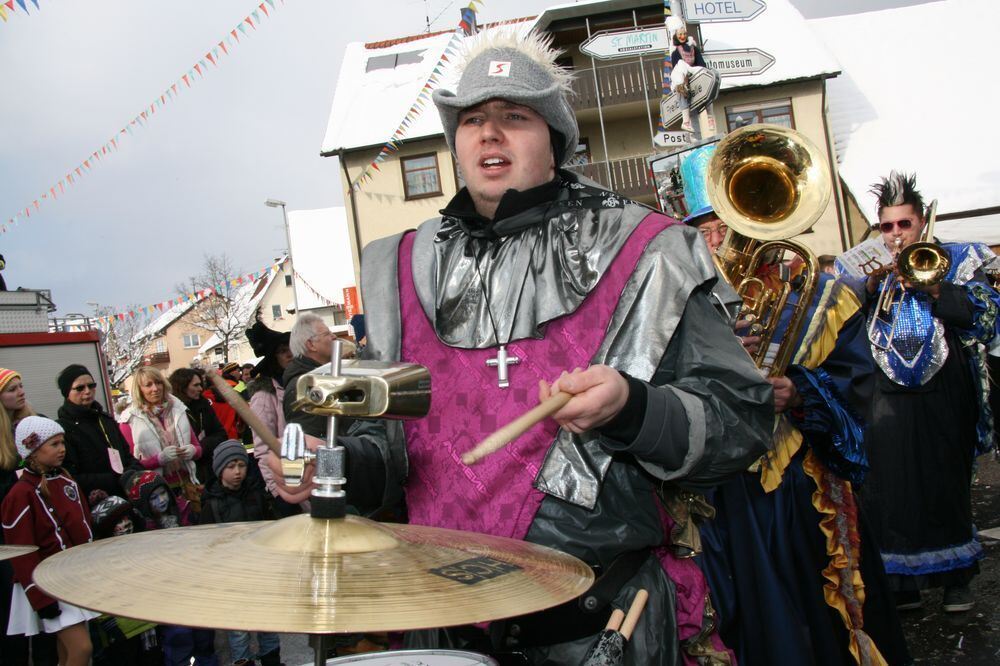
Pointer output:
x,y
786,396
293,494
599,393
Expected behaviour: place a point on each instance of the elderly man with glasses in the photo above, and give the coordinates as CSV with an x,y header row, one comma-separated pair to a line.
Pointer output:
x,y
311,344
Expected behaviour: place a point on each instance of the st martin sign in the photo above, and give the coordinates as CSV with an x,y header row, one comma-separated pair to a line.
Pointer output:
x,y
719,11
739,62
621,43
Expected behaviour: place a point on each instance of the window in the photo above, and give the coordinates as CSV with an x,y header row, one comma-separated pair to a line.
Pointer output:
x,y
161,346
393,60
276,311
288,280
192,340
774,112
421,177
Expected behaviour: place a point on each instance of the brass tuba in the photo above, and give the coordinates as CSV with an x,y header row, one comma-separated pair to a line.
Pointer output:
x,y
768,184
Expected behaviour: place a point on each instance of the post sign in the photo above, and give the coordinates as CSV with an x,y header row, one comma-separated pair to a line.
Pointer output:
x,y
610,44
720,11
738,62
701,85
672,139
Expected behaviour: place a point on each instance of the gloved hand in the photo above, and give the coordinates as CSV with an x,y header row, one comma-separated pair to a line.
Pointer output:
x,y
168,454
49,612
185,451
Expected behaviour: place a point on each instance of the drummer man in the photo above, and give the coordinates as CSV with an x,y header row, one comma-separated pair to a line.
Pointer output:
x,y
530,275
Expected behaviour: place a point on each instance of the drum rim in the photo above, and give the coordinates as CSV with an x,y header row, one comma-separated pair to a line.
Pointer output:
x,y
426,652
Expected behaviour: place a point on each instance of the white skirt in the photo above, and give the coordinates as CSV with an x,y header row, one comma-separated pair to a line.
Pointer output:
x,y
24,620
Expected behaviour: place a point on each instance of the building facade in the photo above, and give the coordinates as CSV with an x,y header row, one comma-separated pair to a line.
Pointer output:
x,y
616,102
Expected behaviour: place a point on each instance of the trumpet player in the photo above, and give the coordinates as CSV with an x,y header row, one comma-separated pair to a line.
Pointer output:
x,y
929,416
771,545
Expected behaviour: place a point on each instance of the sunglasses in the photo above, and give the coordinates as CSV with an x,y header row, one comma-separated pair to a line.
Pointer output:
x,y
886,227
84,387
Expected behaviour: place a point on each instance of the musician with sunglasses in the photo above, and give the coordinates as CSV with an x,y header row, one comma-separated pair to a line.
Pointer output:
x,y
929,415
96,451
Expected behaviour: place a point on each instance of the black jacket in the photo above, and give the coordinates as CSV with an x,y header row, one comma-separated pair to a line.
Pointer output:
x,y
209,431
90,432
250,502
311,424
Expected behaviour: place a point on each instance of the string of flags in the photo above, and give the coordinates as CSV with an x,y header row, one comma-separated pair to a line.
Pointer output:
x,y
213,57
323,299
465,26
8,7
192,297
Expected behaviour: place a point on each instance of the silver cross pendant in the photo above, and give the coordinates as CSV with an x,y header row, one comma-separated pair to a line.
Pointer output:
x,y
500,363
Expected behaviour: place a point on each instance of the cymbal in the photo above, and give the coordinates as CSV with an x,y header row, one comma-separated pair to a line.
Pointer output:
x,y
7,552
308,575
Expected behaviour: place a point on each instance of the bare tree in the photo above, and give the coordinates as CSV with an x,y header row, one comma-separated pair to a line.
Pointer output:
x,y
124,341
222,311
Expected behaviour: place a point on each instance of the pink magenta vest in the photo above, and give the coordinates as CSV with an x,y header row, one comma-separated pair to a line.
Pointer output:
x,y
496,496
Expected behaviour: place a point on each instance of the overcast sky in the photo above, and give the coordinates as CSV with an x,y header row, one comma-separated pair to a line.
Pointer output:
x,y
193,181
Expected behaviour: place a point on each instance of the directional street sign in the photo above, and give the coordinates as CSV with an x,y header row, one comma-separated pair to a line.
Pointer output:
x,y
672,139
718,11
738,62
702,87
611,44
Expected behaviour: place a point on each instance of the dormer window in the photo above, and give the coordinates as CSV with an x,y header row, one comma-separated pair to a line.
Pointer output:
x,y
393,60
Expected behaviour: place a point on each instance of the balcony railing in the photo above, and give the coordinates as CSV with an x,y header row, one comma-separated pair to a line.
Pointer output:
x,y
618,84
629,176
156,358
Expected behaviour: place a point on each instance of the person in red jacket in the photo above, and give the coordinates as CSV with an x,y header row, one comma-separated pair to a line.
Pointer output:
x,y
45,509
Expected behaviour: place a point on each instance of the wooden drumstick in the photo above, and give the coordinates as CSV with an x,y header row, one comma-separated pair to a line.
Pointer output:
x,y
615,622
516,428
241,407
634,611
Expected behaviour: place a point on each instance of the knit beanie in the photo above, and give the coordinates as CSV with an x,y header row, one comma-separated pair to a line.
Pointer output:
x,y
505,64
141,485
32,432
6,376
106,513
225,453
68,376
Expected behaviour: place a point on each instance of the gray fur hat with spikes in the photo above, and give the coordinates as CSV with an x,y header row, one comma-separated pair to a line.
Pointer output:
x,y
504,64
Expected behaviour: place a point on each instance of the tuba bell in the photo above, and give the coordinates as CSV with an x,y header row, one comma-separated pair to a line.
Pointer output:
x,y
768,184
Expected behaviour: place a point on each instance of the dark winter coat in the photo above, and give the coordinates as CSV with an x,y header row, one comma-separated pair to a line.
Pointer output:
x,y
312,424
90,432
209,431
248,503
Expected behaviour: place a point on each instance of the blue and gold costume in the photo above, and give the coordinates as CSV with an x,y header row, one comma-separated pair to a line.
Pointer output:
x,y
930,417
793,576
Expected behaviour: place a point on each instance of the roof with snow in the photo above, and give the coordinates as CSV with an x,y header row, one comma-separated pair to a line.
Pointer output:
x,y
379,82
902,104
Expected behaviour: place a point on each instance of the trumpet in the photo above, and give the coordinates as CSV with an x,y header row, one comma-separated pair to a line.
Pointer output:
x,y
768,184
923,264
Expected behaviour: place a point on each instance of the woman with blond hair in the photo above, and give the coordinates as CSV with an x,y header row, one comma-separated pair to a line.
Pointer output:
x,y
156,426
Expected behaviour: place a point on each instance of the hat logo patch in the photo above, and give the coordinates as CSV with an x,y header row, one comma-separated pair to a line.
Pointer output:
x,y
499,68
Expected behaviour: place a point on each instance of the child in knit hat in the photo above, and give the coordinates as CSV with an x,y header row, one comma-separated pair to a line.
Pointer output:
x,y
235,496
151,497
44,508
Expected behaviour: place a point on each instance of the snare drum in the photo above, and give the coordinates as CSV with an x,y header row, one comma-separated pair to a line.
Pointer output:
x,y
416,658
